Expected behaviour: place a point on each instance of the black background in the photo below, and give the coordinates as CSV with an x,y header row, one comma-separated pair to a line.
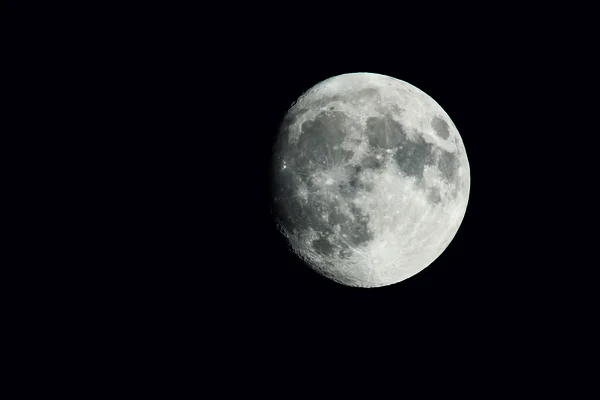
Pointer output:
x,y
161,123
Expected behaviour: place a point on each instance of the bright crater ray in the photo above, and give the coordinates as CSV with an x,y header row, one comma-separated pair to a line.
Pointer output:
x,y
370,179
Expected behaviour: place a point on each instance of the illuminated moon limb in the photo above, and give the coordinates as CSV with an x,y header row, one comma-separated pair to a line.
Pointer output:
x,y
376,179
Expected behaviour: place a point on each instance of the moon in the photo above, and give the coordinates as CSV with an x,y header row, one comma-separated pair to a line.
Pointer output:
x,y
370,179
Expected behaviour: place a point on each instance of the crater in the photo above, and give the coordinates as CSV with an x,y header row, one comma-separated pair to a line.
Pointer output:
x,y
345,252
448,165
440,127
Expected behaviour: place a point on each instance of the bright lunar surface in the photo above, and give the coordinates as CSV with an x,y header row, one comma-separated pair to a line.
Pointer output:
x,y
370,179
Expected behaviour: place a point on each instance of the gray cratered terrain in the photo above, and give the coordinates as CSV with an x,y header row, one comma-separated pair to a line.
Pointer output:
x,y
371,179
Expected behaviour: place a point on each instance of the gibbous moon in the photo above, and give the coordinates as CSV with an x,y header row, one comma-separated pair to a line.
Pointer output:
x,y
370,179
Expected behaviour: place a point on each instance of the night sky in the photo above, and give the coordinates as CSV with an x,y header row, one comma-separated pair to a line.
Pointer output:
x,y
163,122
